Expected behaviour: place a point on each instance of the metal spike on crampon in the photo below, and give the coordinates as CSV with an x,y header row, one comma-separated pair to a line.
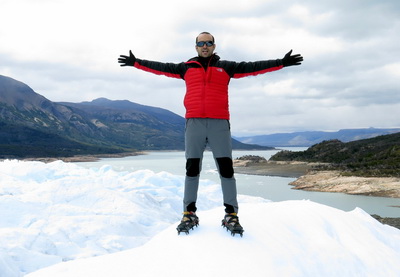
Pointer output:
x,y
185,228
188,222
231,223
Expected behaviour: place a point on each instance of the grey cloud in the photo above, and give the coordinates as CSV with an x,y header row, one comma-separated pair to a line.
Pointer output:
x,y
337,86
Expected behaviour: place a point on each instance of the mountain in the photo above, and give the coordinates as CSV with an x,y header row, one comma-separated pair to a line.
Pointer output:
x,y
33,126
126,124
378,156
305,139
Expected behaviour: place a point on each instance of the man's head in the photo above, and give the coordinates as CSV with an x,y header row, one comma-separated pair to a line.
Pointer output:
x,y
205,44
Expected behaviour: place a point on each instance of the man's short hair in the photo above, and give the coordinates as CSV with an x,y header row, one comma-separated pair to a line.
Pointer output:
x,y
205,33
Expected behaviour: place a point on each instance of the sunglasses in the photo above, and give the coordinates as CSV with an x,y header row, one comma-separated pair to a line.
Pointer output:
x,y
201,43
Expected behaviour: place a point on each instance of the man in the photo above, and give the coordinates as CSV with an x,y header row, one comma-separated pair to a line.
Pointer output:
x,y
207,118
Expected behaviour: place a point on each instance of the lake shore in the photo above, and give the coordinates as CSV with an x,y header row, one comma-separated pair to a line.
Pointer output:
x,y
333,181
269,168
325,181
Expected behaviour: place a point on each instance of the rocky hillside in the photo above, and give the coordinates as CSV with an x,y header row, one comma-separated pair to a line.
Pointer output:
x,y
33,126
379,156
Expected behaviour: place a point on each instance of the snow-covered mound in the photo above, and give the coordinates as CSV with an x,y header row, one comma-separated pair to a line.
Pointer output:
x,y
59,211
99,222
290,238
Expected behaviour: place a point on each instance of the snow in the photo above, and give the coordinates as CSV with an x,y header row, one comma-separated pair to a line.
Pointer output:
x,y
60,219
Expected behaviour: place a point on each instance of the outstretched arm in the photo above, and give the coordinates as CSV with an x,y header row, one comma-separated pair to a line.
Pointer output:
x,y
244,69
172,70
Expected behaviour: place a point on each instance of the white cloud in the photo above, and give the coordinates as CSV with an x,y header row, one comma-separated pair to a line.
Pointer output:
x,y
392,69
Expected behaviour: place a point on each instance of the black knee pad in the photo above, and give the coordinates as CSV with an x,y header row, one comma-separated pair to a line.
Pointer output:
x,y
193,167
225,166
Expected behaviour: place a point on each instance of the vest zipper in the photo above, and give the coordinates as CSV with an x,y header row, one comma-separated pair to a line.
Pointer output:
x,y
207,76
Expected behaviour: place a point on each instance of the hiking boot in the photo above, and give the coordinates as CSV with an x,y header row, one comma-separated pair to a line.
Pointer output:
x,y
231,223
189,220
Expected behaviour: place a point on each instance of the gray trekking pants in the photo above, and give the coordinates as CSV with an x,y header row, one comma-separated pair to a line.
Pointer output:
x,y
216,133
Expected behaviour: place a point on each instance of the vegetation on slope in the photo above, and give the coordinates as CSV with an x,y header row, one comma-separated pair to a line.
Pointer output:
x,y
379,156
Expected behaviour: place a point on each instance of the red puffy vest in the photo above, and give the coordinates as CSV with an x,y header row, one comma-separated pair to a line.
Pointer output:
x,y
207,93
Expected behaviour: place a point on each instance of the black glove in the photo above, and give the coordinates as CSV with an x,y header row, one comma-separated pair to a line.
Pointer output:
x,y
125,60
289,60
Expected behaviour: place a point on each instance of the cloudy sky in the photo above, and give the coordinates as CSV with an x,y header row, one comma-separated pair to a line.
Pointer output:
x,y
67,50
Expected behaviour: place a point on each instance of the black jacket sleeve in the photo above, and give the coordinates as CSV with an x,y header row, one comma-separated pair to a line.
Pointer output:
x,y
244,69
173,70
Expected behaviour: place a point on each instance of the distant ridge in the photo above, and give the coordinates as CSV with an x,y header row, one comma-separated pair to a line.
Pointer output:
x,y
309,138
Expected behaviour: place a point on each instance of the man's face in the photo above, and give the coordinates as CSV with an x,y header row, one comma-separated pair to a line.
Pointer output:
x,y
205,51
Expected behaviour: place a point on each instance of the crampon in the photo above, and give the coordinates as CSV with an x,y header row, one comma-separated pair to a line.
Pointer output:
x,y
188,222
231,223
